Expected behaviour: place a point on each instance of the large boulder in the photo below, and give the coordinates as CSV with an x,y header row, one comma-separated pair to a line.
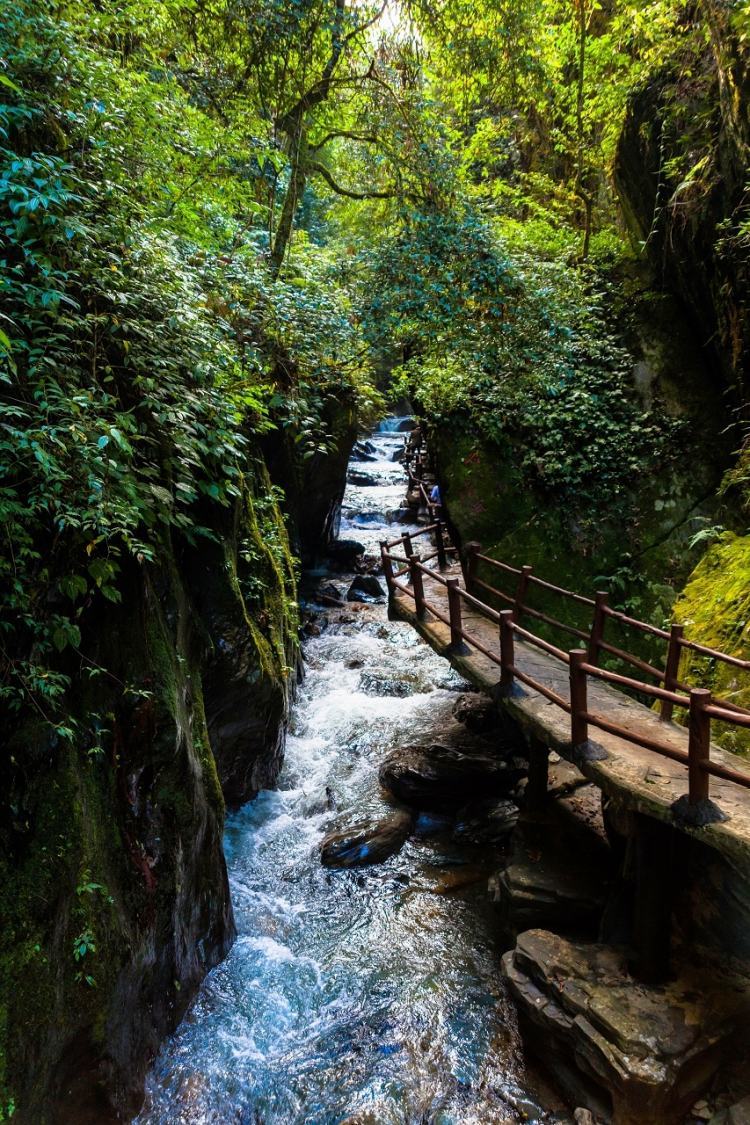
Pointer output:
x,y
364,586
344,552
441,777
366,842
362,480
629,1052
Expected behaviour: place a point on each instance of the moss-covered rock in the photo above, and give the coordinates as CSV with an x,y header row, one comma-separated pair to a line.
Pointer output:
x,y
715,606
681,175
640,553
113,887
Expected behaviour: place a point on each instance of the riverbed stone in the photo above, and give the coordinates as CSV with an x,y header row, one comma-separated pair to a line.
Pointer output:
x,y
363,451
440,777
360,479
364,585
380,681
630,1052
367,842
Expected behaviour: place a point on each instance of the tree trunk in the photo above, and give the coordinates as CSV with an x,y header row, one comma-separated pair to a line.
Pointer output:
x,y
292,198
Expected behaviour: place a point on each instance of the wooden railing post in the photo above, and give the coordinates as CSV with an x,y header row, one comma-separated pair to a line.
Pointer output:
x,y
601,599
521,588
454,613
472,563
579,727
699,745
417,584
387,562
407,544
507,649
671,669
440,545
418,466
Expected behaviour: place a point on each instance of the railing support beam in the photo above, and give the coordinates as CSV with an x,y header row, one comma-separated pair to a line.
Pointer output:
x,y
601,598
471,564
579,727
387,566
454,614
507,651
521,590
440,545
417,585
671,669
699,745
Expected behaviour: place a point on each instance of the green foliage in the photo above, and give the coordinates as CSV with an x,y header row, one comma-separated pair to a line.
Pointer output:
x,y
143,340
521,350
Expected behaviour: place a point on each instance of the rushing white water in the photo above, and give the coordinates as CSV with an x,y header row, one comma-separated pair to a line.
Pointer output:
x,y
369,995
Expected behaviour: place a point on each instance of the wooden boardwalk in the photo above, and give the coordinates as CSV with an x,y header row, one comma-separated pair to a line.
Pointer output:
x,y
638,779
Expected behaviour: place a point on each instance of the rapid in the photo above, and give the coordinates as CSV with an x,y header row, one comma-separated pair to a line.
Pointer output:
x,y
370,995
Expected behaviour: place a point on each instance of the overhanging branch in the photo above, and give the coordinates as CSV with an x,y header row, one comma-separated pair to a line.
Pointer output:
x,y
321,170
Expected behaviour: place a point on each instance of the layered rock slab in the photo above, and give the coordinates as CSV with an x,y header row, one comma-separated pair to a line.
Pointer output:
x,y
629,1052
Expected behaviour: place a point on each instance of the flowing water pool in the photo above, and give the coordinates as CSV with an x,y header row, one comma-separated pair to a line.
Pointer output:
x,y
371,995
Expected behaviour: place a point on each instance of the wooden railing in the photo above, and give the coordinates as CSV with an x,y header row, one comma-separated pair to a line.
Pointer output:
x,y
663,684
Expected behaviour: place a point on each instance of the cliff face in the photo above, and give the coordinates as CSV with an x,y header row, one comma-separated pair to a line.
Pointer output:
x,y
115,900
639,545
681,175
314,486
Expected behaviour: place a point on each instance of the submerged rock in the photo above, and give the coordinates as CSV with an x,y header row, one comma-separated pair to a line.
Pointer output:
x,y
378,681
364,585
629,1052
367,842
440,777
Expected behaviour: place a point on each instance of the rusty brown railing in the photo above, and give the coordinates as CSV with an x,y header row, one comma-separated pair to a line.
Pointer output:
x,y
667,688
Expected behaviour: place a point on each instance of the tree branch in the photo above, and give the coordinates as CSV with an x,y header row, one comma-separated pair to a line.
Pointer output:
x,y
315,166
365,138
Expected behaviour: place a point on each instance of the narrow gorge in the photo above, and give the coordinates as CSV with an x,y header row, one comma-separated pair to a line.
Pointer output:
x,y
375,565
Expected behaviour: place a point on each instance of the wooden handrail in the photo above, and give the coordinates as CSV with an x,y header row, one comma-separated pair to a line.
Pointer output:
x,y
701,707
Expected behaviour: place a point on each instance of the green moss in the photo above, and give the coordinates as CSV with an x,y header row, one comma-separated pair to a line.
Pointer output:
x,y
715,606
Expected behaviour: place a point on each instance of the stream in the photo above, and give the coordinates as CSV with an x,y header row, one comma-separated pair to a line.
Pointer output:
x,y
370,995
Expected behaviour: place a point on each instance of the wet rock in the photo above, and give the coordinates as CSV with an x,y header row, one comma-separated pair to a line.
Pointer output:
x,y
362,480
343,552
366,843
646,1052
363,451
477,712
485,822
378,681
329,595
364,585
440,777
430,823
737,1114
398,454
399,515
354,662
405,425
557,877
